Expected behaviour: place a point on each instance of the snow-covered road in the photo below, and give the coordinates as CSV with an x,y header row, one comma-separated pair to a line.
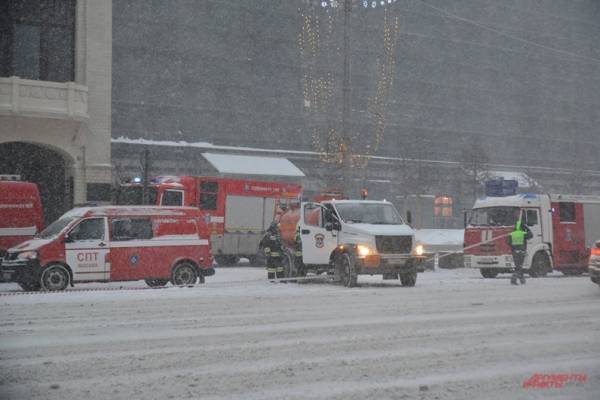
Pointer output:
x,y
453,336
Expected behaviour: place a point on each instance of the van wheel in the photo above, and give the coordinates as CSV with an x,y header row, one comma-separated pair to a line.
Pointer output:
x,y
184,274
573,272
29,286
154,283
289,269
346,269
488,273
55,277
408,278
540,265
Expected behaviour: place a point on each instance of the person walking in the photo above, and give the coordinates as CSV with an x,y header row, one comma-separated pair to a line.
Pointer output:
x,y
517,241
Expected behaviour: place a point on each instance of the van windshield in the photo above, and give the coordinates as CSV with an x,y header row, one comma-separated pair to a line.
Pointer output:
x,y
369,213
55,228
494,216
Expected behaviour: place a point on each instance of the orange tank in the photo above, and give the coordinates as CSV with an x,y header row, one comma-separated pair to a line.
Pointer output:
x,y
288,223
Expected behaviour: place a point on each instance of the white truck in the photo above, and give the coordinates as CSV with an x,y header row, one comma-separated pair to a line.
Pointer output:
x,y
347,238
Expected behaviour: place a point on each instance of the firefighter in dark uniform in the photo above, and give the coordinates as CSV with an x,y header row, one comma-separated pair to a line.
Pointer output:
x,y
518,244
273,252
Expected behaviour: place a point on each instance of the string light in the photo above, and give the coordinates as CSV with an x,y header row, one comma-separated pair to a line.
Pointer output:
x,y
316,42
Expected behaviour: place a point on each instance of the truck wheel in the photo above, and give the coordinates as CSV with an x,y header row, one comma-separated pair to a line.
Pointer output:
x,y
55,277
155,283
408,278
29,286
540,265
184,274
258,260
346,269
488,273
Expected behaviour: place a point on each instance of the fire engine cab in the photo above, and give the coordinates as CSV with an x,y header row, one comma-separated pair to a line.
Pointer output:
x,y
21,214
564,228
237,211
156,244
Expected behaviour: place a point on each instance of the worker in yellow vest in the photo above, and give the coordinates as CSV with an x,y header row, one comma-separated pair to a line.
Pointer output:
x,y
518,244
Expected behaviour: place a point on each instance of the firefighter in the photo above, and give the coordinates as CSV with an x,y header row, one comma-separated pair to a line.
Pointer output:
x,y
518,244
273,252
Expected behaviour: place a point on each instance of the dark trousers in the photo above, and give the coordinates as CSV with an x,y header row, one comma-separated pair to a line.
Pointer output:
x,y
518,259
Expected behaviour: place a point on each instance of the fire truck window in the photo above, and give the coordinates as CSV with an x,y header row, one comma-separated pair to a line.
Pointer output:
x,y
131,229
208,195
566,212
172,198
89,229
532,218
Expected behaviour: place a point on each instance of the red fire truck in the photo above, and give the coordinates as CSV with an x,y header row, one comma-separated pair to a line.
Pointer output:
x,y
100,244
21,214
564,228
237,211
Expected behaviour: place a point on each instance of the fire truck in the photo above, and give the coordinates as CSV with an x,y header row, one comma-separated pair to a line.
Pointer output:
x,y
237,211
21,214
347,238
564,228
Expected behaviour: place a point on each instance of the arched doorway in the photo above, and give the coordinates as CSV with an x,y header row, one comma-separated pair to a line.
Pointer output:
x,y
49,169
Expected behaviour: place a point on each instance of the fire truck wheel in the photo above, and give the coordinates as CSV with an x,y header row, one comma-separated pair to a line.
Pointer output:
x,y
154,283
55,277
540,265
289,270
184,274
29,286
488,273
408,278
346,269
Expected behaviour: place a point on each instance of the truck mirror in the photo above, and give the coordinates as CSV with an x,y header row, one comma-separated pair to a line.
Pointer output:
x,y
408,217
67,239
329,226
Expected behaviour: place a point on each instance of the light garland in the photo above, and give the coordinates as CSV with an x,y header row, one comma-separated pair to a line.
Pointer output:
x,y
315,42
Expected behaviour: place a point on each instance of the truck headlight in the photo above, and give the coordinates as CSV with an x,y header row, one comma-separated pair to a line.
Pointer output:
x,y
363,250
419,250
27,255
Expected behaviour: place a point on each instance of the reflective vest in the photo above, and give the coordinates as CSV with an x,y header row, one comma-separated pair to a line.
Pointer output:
x,y
517,237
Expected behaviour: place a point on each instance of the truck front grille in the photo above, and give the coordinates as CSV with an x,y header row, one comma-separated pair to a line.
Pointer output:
x,y
393,244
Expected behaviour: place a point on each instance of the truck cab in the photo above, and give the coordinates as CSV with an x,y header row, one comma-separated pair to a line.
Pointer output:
x,y
347,238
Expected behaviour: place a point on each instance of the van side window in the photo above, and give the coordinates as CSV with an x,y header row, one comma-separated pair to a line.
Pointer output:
x,y
88,229
130,229
566,212
208,195
172,198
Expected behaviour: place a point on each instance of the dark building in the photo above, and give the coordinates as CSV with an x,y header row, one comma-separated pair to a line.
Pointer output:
x,y
515,81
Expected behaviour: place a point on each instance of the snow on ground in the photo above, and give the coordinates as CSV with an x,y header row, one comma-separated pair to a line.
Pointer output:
x,y
453,336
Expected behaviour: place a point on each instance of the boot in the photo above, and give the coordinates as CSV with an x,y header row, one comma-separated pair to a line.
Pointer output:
x,y
271,276
522,280
513,280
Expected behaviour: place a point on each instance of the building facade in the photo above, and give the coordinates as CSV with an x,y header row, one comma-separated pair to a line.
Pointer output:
x,y
55,98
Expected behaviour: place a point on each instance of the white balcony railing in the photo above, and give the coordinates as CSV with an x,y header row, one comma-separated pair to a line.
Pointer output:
x,y
25,97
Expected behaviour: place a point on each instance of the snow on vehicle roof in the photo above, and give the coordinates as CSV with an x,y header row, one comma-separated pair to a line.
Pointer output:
x,y
127,210
252,165
519,200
